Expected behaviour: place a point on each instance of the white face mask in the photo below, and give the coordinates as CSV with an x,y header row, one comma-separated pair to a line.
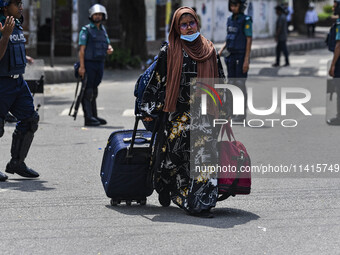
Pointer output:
x,y
190,38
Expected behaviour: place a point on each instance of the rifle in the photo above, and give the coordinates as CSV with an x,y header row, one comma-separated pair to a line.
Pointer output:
x,y
77,99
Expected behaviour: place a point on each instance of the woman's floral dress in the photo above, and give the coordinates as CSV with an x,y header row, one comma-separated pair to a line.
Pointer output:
x,y
192,192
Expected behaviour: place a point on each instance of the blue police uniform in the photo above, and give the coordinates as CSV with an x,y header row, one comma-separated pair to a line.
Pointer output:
x,y
96,42
15,97
239,27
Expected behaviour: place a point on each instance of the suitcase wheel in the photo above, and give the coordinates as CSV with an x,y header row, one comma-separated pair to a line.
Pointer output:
x,y
128,202
115,202
142,202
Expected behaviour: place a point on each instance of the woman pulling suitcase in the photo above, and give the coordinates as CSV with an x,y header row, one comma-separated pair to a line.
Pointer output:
x,y
188,55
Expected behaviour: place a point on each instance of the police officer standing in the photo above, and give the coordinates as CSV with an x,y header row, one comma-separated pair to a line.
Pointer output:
x,y
334,70
94,45
238,44
14,93
281,35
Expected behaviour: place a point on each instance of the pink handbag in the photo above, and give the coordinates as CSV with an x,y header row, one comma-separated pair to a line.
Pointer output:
x,y
234,177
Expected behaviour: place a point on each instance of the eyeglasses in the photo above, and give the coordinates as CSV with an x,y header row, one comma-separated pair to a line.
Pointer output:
x,y
184,26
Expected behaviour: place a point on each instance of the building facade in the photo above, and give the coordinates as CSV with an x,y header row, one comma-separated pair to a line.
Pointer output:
x,y
70,15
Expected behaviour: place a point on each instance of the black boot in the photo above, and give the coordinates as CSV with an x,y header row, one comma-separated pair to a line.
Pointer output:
x,y
21,144
334,122
101,120
2,125
3,177
87,108
164,198
20,168
91,122
94,108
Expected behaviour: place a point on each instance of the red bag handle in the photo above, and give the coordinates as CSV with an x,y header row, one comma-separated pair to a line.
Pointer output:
x,y
230,133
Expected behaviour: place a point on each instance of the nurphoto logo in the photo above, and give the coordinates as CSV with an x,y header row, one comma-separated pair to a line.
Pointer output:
x,y
300,98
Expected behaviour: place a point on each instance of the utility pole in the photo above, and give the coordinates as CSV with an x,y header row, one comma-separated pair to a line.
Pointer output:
x,y
300,7
52,33
168,13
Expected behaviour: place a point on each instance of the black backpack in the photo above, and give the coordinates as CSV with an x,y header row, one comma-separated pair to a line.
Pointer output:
x,y
330,40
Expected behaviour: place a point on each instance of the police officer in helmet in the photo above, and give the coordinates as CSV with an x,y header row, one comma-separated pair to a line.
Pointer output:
x,y
334,70
94,45
238,43
15,96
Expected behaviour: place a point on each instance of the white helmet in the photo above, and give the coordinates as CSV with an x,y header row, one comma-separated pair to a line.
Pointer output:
x,y
98,8
311,5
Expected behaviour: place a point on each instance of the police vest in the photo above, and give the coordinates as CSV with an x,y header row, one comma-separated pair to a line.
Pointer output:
x,y
14,60
236,38
97,45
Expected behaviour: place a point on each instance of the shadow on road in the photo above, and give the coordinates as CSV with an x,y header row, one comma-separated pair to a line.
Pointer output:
x,y
269,72
55,100
224,217
25,185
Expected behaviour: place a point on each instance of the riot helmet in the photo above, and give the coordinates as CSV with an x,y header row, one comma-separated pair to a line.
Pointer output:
x,y
98,8
243,4
337,8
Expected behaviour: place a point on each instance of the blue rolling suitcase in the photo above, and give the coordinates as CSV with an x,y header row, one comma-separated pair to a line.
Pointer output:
x,y
126,167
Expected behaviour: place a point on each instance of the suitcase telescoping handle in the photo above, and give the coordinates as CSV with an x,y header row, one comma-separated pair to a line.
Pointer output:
x,y
130,148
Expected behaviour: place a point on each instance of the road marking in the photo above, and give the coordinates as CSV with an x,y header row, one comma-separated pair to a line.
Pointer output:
x,y
298,61
260,65
3,190
318,110
129,113
322,73
266,59
67,110
254,71
80,111
289,71
323,61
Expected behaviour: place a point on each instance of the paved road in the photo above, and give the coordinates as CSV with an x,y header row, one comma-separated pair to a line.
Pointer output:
x,y
65,211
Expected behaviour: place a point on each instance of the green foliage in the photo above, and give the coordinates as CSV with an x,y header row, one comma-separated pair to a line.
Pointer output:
x,y
327,12
122,58
328,9
324,16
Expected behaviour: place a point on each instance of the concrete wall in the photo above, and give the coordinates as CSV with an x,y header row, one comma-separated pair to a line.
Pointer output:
x,y
214,14
30,25
150,6
319,5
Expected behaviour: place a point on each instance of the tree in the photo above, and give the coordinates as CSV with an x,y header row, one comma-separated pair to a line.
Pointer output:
x,y
133,27
300,8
